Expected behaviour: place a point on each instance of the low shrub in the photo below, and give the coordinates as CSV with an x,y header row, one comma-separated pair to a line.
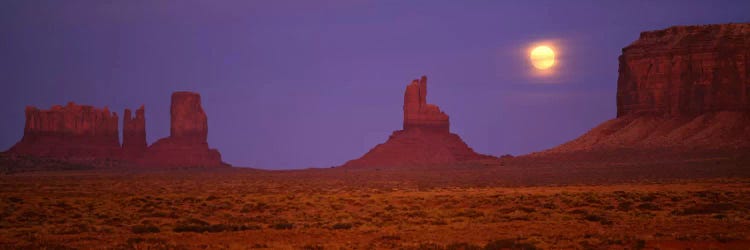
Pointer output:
x,y
199,226
624,206
712,208
597,218
312,247
339,226
462,246
191,225
649,206
508,244
282,225
144,229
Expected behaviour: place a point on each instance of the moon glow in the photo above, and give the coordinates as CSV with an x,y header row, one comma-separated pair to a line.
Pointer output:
x,y
542,57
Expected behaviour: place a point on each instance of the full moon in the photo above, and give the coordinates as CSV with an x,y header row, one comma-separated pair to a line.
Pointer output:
x,y
542,57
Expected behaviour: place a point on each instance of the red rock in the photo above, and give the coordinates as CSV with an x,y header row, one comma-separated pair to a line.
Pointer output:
x,y
181,152
418,147
188,118
134,134
686,70
87,135
70,132
684,87
186,146
712,130
419,114
425,139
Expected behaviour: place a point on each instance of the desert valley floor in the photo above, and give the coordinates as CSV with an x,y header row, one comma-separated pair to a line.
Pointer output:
x,y
522,203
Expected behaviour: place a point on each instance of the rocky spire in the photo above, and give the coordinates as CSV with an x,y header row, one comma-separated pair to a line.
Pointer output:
x,y
134,133
425,139
419,114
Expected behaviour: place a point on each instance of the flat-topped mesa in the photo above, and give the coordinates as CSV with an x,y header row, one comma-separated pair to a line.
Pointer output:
x,y
685,87
419,114
686,71
134,133
187,145
70,132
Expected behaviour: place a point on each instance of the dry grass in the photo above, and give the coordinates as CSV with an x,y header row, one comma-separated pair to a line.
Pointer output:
x,y
313,210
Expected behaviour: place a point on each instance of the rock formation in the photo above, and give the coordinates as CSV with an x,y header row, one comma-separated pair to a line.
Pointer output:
x,y
425,139
417,113
685,87
87,135
186,145
69,132
188,121
686,70
134,134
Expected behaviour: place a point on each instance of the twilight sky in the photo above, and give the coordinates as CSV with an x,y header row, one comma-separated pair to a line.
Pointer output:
x,y
296,84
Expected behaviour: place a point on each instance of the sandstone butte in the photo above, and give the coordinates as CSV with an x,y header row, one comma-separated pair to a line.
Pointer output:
x,y
85,134
187,143
425,139
684,87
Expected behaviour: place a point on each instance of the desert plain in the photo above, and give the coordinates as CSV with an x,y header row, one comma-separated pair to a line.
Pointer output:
x,y
516,203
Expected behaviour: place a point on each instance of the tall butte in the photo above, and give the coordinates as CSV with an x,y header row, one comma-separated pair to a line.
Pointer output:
x,y
685,87
187,144
425,139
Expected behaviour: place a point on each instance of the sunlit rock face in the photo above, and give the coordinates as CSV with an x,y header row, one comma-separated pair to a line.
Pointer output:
x,y
70,132
425,139
187,145
686,70
684,87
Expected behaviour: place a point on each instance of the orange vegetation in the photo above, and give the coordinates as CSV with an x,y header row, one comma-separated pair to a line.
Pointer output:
x,y
377,209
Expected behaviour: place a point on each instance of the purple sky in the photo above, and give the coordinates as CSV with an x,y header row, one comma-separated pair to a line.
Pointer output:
x,y
295,84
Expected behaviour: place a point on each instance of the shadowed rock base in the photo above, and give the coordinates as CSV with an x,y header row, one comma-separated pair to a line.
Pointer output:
x,y
720,130
417,147
181,152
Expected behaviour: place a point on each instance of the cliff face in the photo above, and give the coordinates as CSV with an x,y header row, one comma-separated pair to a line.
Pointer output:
x,y
88,135
188,120
187,145
683,87
419,114
425,139
686,70
134,133
71,131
